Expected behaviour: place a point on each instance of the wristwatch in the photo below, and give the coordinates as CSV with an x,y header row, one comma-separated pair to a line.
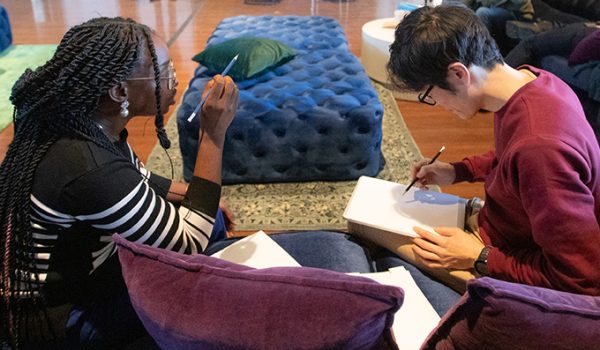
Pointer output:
x,y
480,264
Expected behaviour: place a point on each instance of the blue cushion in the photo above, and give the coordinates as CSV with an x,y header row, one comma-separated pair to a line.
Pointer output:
x,y
317,117
5,32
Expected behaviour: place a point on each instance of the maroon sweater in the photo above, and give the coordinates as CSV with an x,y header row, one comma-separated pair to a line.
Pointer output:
x,y
542,187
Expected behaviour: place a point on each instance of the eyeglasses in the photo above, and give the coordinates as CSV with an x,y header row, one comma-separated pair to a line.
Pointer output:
x,y
426,98
171,78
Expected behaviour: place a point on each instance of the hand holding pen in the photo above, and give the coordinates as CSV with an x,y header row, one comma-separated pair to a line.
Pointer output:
x,y
418,166
199,106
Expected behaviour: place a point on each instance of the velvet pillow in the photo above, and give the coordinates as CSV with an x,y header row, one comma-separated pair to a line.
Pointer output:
x,y
203,302
495,314
255,56
587,49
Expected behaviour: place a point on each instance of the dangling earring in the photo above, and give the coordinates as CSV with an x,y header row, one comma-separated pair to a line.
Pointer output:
x,y
124,111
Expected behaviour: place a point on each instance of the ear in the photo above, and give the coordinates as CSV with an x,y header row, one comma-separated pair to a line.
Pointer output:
x,y
118,93
458,75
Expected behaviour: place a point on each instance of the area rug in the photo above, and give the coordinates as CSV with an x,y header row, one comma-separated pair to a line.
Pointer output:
x,y
13,62
303,205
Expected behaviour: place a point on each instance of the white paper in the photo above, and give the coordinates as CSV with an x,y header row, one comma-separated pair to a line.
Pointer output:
x,y
382,204
257,250
416,317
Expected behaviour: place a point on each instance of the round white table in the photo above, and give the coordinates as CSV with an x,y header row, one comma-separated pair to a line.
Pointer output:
x,y
375,49
377,36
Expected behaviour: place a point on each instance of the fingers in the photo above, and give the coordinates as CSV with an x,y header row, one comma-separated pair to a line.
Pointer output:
x,y
416,172
424,171
428,246
429,259
430,236
231,93
208,88
414,169
425,254
445,231
217,90
229,219
228,88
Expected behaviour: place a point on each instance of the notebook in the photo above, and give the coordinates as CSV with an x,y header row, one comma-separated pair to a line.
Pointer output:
x,y
416,318
382,205
257,250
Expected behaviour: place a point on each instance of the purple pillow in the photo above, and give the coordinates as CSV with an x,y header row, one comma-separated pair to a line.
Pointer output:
x,y
202,302
587,50
495,314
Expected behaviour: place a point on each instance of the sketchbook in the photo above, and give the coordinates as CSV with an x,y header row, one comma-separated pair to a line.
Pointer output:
x,y
382,205
257,250
416,318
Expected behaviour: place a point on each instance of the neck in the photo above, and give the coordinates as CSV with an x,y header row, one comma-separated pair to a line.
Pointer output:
x,y
501,83
111,127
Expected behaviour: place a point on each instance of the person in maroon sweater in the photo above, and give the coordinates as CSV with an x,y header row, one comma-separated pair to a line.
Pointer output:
x,y
540,221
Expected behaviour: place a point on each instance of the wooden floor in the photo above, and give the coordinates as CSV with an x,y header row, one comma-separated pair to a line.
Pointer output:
x,y
187,24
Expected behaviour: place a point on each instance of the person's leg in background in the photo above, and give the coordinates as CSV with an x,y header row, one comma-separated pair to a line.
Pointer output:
x,y
559,41
546,18
495,19
546,12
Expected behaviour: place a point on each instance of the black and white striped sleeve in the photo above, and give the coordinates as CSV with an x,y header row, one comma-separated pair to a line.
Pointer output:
x,y
117,198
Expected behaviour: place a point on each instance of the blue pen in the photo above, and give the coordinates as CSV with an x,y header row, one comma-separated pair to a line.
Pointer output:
x,y
225,71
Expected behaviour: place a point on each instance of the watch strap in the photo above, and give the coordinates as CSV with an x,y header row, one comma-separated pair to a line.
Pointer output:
x,y
481,262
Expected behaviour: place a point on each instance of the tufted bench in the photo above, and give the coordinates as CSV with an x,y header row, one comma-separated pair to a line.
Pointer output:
x,y
5,33
317,117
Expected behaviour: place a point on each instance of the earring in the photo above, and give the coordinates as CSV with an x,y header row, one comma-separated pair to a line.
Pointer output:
x,y
124,111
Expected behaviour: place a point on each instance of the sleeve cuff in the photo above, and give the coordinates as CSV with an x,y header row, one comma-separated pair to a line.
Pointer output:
x,y
462,172
159,184
203,195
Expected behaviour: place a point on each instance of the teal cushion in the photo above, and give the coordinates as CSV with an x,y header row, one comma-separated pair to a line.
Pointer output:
x,y
256,55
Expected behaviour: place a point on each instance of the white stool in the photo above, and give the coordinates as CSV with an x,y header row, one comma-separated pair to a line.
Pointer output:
x,y
377,36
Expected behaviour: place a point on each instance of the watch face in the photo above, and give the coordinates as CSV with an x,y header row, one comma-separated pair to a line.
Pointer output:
x,y
481,267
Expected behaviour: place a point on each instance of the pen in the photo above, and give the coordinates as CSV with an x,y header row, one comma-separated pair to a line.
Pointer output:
x,y
430,162
225,71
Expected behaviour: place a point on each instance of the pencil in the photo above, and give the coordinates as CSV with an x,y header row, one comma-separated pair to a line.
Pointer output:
x,y
225,71
430,162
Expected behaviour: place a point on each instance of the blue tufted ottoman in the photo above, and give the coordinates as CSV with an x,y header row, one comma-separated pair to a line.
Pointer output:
x,y
317,117
5,33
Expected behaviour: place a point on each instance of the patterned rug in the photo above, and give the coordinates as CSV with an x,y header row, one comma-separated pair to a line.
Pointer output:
x,y
303,205
13,62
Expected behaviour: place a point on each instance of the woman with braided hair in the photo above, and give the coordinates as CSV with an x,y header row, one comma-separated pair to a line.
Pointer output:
x,y
70,180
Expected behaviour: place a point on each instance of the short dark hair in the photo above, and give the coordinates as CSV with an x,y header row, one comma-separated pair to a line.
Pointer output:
x,y
431,38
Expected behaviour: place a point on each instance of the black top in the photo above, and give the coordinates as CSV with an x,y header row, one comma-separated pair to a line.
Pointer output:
x,y
83,194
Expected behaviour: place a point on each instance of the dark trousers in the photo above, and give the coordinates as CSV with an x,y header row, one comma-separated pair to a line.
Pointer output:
x,y
559,41
546,12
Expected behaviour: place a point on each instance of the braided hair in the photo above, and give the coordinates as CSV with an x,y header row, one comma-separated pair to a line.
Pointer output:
x,y
57,99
